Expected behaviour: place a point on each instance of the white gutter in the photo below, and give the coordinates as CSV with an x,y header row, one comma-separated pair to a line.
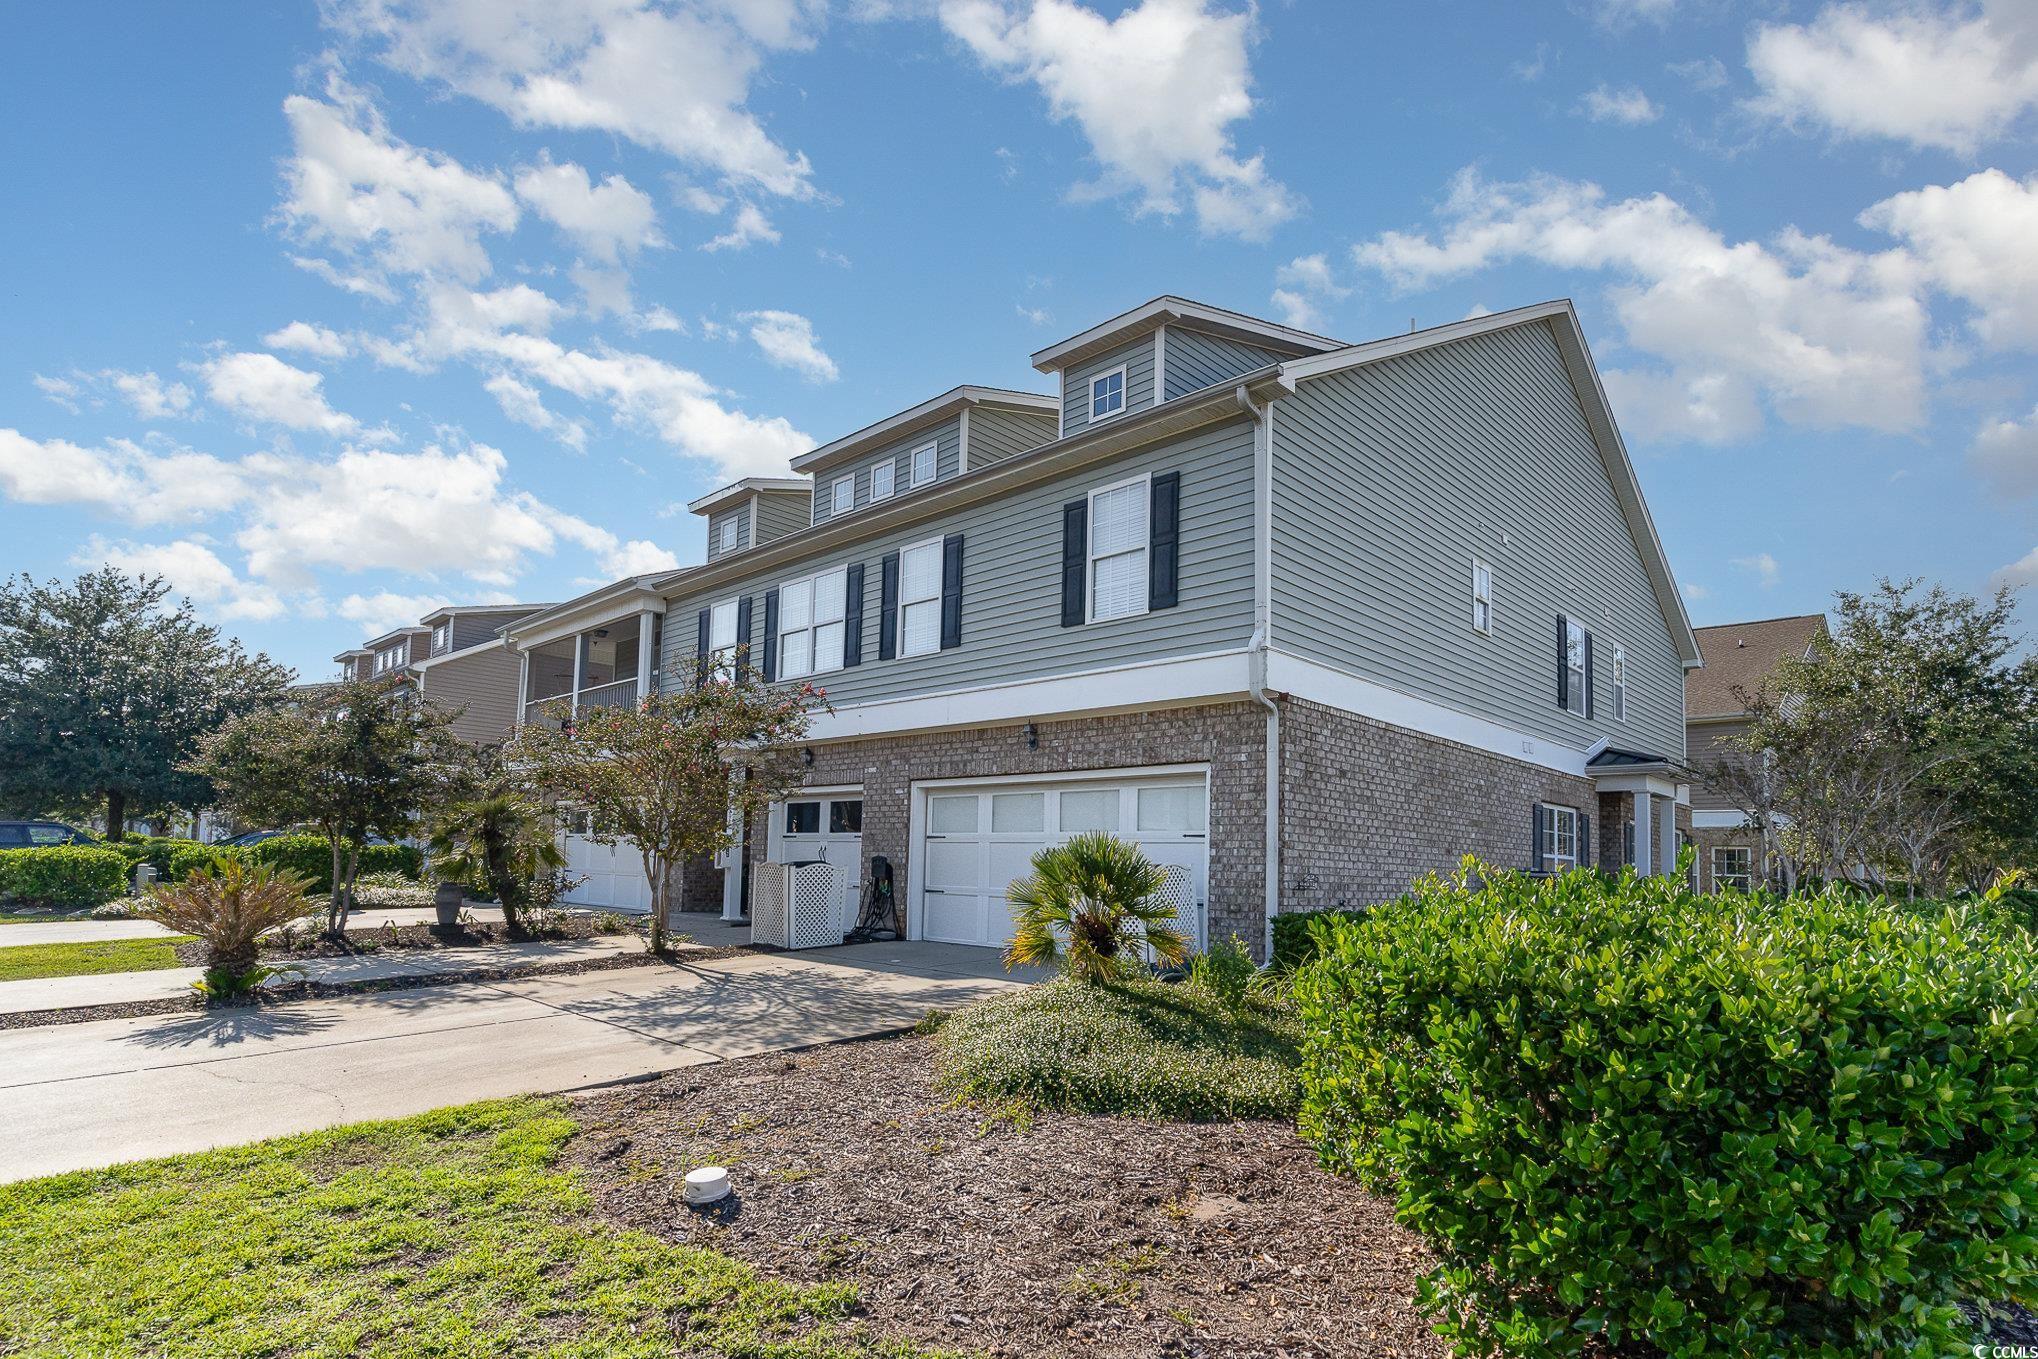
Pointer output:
x,y
1262,639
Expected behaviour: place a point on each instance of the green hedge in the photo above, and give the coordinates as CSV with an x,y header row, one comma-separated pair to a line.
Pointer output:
x,y
308,855
63,877
1626,1116
155,850
1296,935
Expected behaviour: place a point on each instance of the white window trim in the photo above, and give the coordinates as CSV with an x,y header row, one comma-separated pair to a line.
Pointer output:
x,y
913,481
892,463
727,530
899,622
812,627
724,666
1717,851
1574,686
1554,862
1090,557
1617,678
1090,415
1478,565
835,505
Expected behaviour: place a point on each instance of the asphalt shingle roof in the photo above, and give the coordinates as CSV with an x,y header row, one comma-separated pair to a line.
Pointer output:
x,y
1741,656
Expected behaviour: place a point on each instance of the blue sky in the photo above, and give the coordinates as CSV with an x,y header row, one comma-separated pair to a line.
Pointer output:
x,y
332,314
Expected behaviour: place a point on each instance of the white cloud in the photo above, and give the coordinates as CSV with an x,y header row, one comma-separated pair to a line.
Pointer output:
x,y
306,338
263,387
145,393
1616,12
63,391
1038,316
386,611
119,478
1703,74
2019,573
1155,92
1978,240
2005,452
1628,105
355,187
1764,568
520,402
608,221
193,569
1949,78
673,77
1694,591
749,227
1808,330
1301,288
788,340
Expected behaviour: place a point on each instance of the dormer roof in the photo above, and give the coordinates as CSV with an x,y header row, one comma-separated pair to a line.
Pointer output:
x,y
738,491
1128,326
909,422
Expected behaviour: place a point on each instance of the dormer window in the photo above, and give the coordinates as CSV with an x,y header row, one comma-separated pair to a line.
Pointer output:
x,y
441,635
923,465
881,480
725,536
844,496
1107,394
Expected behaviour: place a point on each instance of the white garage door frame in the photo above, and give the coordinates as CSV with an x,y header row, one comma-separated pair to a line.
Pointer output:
x,y
921,789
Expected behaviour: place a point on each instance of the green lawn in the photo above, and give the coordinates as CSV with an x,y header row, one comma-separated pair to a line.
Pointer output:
x,y
454,1233
21,962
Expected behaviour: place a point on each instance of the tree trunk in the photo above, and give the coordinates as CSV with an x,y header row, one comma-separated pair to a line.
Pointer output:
x,y
333,914
116,814
657,881
353,870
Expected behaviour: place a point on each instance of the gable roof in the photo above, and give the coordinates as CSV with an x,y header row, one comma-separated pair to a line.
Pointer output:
x,y
1562,318
1741,656
1125,326
933,411
744,489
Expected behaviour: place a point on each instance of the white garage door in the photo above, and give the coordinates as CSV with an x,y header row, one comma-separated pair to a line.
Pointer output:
x,y
976,839
613,874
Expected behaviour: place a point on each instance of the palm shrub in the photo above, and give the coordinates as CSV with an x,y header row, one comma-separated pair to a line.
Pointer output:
x,y
500,842
1089,904
228,907
1627,1117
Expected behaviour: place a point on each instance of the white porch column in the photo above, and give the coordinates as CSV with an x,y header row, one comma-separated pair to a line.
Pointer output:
x,y
646,621
523,687
1666,838
579,664
733,868
1645,842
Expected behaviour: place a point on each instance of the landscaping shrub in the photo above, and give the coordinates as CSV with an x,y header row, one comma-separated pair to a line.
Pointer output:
x,y
310,857
1732,1125
1226,972
228,907
1296,934
154,850
185,859
63,877
1136,1047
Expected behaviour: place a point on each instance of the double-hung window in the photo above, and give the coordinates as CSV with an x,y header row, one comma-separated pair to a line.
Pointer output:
x,y
1733,866
810,624
924,464
1118,550
725,535
843,498
881,475
440,636
1574,667
1620,683
1558,830
920,599
722,639
1107,393
1482,597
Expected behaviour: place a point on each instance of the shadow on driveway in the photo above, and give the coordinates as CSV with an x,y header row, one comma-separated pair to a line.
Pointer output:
x,y
230,1026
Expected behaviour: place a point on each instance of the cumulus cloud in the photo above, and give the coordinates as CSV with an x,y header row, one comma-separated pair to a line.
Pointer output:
x,y
788,340
354,187
1763,567
145,393
608,220
2019,573
749,227
386,611
521,402
306,338
1978,240
673,77
1949,78
1155,91
1811,331
118,478
192,569
2005,453
263,387
1302,287
1603,104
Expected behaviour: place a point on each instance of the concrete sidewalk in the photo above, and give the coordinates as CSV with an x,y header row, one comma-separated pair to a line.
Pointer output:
x,y
94,931
120,988
82,1095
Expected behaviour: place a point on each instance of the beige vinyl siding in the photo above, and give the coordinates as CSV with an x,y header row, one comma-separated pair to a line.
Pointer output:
x,y
995,435
782,512
1196,360
1709,742
484,683
1011,601
1075,388
1389,478
947,440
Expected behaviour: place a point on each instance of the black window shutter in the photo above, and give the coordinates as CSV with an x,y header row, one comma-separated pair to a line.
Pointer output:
x,y
888,600
700,655
771,634
1588,675
1164,541
1584,840
852,618
1563,662
1536,837
743,636
951,591
1075,561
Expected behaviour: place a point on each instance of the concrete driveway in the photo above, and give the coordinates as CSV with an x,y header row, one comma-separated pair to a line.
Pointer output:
x,y
74,1096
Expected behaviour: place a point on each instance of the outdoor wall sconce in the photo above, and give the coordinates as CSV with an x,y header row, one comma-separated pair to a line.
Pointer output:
x,y
1032,737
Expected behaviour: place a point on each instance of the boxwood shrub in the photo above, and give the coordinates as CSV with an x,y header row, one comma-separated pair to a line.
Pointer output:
x,y
155,850
63,877
1296,934
1628,1117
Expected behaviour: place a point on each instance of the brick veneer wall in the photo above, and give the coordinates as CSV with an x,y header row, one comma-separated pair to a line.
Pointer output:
x,y
1229,737
1706,839
1367,807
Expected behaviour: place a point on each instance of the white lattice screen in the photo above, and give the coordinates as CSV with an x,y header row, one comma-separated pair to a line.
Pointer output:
x,y
1179,886
768,915
813,923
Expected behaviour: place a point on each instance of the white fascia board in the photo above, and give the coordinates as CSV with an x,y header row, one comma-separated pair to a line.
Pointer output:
x,y
739,490
1127,326
1632,781
607,607
905,422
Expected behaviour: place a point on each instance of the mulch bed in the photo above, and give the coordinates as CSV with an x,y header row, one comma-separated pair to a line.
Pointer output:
x,y
366,937
1058,1234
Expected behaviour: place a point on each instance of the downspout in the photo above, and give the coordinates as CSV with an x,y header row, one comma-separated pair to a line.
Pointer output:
x,y
1256,649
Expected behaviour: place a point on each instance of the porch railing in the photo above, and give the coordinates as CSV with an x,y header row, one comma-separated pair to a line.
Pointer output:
x,y
617,694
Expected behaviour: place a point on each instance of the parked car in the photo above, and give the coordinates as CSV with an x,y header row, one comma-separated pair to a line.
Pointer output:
x,y
34,834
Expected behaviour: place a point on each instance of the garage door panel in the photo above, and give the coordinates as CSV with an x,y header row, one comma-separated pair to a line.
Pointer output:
x,y
955,865
953,918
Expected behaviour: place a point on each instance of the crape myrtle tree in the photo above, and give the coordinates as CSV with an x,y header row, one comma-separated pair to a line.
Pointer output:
x,y
106,686
667,773
352,759
1903,748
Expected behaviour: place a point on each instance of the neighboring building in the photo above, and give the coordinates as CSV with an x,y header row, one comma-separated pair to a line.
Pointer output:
x,y
1739,659
392,655
1305,619
468,669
